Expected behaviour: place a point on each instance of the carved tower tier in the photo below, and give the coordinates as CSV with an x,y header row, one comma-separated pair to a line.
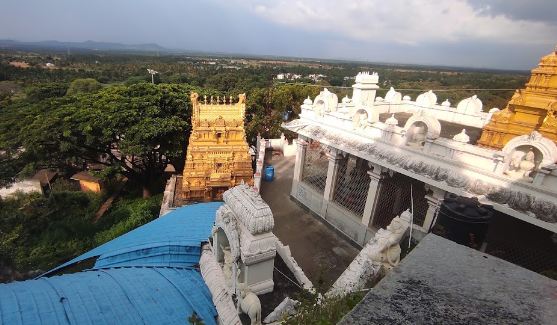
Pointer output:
x,y
532,108
218,154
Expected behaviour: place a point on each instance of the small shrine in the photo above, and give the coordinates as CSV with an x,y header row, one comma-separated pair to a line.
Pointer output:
x,y
218,155
531,109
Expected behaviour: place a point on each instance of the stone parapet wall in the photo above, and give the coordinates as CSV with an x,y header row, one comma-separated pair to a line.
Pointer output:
x,y
461,169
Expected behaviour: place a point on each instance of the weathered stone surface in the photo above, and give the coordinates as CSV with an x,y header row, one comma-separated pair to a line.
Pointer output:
x,y
441,282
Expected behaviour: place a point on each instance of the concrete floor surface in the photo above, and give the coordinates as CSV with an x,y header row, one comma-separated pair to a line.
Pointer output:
x,y
319,250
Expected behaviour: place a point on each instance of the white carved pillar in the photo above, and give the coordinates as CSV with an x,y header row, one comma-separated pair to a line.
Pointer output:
x,y
301,147
427,145
375,184
499,163
542,173
434,201
334,157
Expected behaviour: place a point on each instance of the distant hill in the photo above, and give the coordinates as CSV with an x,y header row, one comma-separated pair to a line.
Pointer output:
x,y
87,45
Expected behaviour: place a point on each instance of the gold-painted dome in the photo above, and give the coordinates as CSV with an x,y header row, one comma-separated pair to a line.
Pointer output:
x,y
531,108
550,59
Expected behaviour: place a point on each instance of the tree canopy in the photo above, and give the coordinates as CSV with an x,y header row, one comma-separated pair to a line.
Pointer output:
x,y
138,128
86,85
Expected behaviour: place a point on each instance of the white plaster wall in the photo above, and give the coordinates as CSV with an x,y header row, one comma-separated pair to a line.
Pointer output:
x,y
286,255
347,222
338,217
448,114
308,196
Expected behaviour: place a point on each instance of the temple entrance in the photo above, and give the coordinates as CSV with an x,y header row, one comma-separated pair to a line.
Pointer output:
x,y
224,255
217,192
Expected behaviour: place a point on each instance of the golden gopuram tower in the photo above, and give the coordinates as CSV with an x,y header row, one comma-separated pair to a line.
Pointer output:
x,y
218,155
532,108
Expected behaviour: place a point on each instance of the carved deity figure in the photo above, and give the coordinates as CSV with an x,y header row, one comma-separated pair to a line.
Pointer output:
x,y
418,136
227,265
550,121
386,249
521,164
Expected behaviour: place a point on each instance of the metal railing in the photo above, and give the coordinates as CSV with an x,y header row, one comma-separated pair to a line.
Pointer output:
x,y
315,166
352,184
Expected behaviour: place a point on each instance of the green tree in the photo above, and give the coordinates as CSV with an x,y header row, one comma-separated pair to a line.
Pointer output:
x,y
46,90
138,129
265,108
87,85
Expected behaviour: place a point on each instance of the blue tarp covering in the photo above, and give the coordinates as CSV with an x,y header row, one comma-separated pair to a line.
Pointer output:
x,y
134,295
146,276
172,240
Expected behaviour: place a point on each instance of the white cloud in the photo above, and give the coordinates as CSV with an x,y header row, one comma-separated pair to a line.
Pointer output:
x,y
402,21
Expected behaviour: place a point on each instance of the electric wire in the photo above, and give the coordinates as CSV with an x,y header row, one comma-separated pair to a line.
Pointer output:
x,y
405,89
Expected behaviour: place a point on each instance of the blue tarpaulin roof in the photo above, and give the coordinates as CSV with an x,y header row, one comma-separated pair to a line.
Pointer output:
x,y
130,295
173,240
145,276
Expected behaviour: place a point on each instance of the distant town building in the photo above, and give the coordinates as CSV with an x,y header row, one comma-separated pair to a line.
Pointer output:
x,y
288,76
39,183
46,178
88,182
19,64
218,155
316,77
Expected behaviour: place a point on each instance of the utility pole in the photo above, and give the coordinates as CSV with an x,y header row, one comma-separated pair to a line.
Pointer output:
x,y
152,73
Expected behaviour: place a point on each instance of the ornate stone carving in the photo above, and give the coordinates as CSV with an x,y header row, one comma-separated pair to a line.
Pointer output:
x,y
392,121
226,221
217,136
214,278
250,209
520,201
380,254
522,114
393,96
462,137
325,102
471,105
521,157
550,120
432,128
427,99
359,120
247,222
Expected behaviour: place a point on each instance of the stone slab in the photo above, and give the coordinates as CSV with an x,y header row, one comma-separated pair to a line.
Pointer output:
x,y
441,282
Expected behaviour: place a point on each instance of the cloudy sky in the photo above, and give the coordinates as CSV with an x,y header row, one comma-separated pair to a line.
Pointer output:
x,y
507,34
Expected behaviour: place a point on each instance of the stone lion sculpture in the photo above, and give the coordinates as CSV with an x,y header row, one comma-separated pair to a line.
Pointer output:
x,y
250,304
387,243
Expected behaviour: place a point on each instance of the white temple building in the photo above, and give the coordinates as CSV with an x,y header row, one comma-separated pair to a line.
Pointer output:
x,y
351,152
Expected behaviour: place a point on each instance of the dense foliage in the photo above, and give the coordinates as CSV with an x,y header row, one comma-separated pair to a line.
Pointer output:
x,y
138,128
321,311
37,232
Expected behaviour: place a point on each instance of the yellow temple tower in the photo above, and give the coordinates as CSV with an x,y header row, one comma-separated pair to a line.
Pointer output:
x,y
218,155
532,108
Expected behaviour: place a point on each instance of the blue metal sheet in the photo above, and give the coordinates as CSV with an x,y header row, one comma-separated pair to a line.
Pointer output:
x,y
129,295
156,242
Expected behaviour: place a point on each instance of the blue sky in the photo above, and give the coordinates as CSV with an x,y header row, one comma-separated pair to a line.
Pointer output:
x,y
507,34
